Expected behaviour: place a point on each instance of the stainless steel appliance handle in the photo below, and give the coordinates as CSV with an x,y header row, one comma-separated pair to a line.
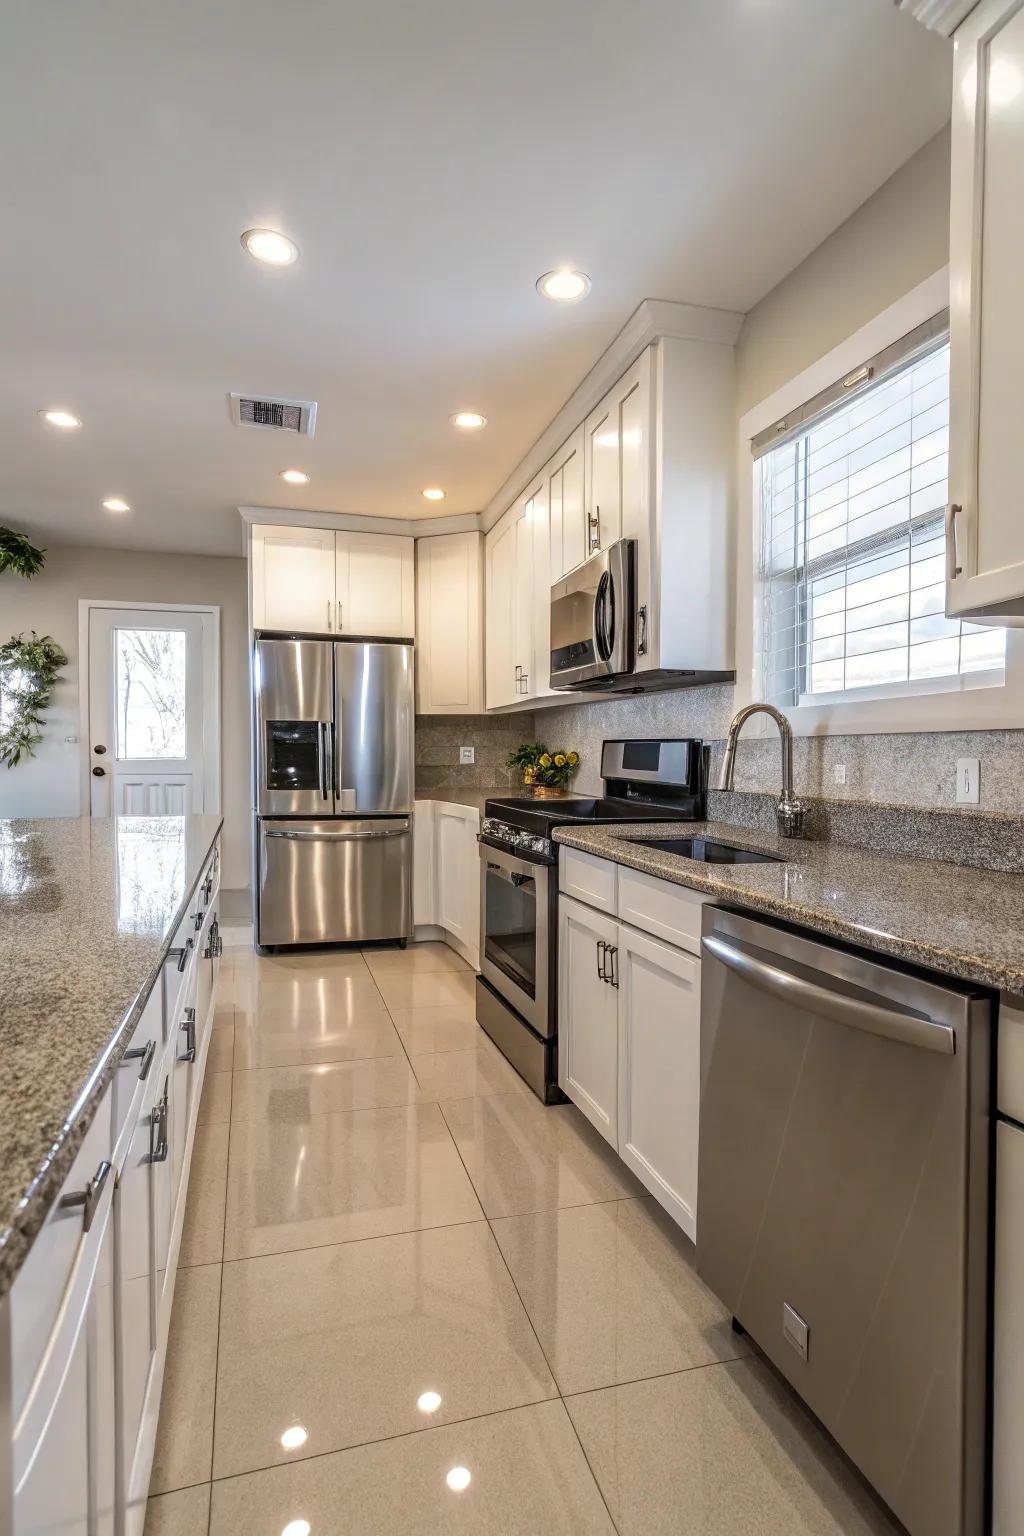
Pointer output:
x,y
325,758
513,877
926,1034
335,837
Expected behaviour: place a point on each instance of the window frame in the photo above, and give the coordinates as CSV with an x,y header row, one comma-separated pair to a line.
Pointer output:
x,y
967,701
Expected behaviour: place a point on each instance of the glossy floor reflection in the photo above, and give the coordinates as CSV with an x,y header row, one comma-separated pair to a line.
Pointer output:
x,y
414,1300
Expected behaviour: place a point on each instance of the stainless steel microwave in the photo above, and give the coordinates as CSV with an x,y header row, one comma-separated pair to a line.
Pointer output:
x,y
592,619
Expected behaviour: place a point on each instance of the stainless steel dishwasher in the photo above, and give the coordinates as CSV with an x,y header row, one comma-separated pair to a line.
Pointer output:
x,y
845,1146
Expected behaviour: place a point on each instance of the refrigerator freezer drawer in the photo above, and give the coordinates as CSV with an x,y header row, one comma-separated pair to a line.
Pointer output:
x,y
335,882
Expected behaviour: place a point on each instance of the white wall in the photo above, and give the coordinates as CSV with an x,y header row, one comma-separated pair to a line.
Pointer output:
x,y
49,783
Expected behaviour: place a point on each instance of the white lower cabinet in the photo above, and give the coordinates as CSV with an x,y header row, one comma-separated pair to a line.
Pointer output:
x,y
1008,1349
446,874
629,1021
588,1033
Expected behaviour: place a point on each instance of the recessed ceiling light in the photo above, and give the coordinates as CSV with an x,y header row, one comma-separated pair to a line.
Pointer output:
x,y
434,493
295,476
458,1479
428,1402
270,246
61,419
565,285
116,504
469,421
297,1528
294,1436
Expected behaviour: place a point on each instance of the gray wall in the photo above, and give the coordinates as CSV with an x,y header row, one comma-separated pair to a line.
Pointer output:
x,y
48,785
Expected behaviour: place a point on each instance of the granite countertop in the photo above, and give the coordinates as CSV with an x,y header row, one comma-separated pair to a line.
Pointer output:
x,y
963,921
88,908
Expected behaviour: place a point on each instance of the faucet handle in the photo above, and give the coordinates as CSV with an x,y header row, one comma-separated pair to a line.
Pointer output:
x,y
789,817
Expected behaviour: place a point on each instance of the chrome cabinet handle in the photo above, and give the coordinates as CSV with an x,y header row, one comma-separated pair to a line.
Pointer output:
x,y
158,1124
526,682
613,955
953,566
329,623
143,1053
183,953
188,1024
214,943
602,952
906,1029
89,1197
198,920
641,624
594,523
339,615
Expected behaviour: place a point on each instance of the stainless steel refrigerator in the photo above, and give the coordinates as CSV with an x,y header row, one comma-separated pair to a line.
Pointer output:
x,y
334,790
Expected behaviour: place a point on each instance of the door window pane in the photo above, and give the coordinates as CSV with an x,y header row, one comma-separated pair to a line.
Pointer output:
x,y
150,675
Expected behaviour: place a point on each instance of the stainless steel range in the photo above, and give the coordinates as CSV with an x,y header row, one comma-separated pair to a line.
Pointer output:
x,y
516,991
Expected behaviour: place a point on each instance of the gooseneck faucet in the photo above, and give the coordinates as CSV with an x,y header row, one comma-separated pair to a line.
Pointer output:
x,y
789,813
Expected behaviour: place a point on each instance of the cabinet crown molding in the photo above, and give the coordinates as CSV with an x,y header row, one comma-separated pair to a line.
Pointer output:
x,y
938,15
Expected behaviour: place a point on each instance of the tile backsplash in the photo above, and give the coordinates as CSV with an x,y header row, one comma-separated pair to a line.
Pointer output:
x,y
493,737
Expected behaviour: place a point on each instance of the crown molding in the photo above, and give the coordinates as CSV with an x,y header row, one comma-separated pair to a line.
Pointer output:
x,y
361,522
650,321
938,15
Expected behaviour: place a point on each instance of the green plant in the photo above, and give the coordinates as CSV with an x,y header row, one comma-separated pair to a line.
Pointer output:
x,y
557,768
18,555
527,755
29,670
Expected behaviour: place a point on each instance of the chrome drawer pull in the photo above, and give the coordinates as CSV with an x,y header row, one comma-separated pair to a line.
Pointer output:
x,y
89,1197
158,1123
143,1053
188,1024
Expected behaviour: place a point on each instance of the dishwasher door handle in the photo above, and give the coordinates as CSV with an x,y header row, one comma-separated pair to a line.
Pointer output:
x,y
926,1034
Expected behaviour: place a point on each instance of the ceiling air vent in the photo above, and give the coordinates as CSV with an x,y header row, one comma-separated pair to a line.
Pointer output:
x,y
277,415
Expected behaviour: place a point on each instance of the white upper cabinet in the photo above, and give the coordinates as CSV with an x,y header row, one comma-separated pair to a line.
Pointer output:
x,y
500,559
316,581
618,459
449,624
985,527
567,518
375,585
293,579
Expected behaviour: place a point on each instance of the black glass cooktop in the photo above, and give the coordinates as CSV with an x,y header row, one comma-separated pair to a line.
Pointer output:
x,y
541,815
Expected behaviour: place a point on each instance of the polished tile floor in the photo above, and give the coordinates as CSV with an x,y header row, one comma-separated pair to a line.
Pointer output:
x,y
412,1300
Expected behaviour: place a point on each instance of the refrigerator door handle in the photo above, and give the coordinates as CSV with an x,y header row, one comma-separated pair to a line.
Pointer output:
x,y
336,837
329,749
325,793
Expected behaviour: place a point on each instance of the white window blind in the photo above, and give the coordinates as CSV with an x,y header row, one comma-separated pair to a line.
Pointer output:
x,y
852,552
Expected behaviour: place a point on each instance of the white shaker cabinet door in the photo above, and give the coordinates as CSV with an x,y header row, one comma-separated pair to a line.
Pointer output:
x,y
659,1070
1008,1353
568,534
588,1044
375,585
500,664
985,528
449,629
618,445
523,618
458,875
293,579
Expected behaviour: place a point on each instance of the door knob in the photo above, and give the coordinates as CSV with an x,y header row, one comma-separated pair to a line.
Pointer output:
x,y
99,773
99,750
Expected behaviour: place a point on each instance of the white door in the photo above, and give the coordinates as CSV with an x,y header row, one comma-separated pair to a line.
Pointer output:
x,y
293,579
149,671
588,1040
985,542
500,546
568,541
659,1070
374,585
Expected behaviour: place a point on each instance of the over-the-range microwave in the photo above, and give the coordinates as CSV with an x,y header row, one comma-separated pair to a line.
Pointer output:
x,y
593,612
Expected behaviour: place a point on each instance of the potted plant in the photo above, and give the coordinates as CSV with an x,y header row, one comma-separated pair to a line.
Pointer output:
x,y
524,760
555,771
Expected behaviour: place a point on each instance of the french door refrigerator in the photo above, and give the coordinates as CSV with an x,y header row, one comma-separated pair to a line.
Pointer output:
x,y
334,790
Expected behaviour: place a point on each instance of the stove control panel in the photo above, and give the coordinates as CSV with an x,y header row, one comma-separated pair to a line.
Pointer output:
x,y
501,832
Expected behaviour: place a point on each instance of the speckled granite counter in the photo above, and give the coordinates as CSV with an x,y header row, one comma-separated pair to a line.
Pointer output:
x,y
965,922
87,911
475,798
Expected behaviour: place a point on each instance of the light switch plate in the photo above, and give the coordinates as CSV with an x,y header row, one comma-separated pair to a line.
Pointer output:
x,y
968,780
467,754
839,773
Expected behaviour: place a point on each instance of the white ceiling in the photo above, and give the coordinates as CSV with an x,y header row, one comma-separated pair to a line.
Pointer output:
x,y
431,158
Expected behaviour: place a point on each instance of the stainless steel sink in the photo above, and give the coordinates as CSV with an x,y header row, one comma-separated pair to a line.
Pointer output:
x,y
706,851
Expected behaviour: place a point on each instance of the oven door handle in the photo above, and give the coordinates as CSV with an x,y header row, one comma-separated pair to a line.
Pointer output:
x,y
888,1023
513,877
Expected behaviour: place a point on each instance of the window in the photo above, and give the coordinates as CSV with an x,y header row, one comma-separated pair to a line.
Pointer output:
x,y
852,495
151,667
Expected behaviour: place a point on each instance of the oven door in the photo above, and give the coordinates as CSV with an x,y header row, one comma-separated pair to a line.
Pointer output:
x,y
515,935
592,619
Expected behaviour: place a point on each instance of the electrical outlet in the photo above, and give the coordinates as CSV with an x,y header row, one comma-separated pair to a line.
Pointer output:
x,y
839,773
968,780
467,754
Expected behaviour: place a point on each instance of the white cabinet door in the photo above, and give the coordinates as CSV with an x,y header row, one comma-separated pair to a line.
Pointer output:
x,y
449,629
588,1044
293,579
523,627
424,864
163,1206
568,541
659,1070
985,543
458,873
1008,1352
375,585
102,1381
538,673
618,453
500,557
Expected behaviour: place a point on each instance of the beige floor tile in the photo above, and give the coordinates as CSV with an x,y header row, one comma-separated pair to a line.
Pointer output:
x,y
723,1451
425,1031
414,961
294,1094
527,1473
428,989
613,1294
345,1340
215,1104
525,1157
467,1074
222,1045
184,1442
202,1233
291,1040
308,995
184,1513
338,1178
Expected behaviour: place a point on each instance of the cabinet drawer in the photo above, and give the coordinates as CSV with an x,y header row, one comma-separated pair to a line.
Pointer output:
x,y
1010,1089
44,1277
667,911
588,879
